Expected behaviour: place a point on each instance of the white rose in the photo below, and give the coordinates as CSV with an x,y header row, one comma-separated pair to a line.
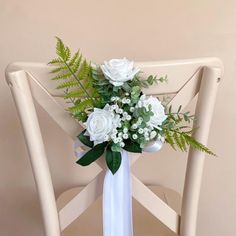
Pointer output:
x,y
156,107
118,71
100,124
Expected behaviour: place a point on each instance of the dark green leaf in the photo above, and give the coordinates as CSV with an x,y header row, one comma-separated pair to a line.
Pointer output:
x,y
113,160
85,139
92,155
132,146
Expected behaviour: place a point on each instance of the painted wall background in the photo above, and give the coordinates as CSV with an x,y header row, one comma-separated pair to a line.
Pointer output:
x,y
139,30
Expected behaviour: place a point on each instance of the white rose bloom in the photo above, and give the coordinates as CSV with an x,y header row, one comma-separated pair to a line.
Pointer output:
x,y
100,124
156,107
118,71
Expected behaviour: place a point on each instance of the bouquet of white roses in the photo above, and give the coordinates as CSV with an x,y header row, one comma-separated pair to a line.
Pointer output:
x,y
108,99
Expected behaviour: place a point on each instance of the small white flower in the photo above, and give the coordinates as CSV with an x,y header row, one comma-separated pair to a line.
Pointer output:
x,y
120,134
114,107
125,136
128,101
134,126
120,111
134,136
131,109
122,144
125,130
126,94
128,117
115,140
114,131
113,99
119,139
123,100
125,114
145,129
146,134
140,130
113,136
147,138
153,134
140,119
118,71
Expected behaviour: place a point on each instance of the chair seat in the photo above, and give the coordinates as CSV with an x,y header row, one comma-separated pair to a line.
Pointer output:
x,y
144,223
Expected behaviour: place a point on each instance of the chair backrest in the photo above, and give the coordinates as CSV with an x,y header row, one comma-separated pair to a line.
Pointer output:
x,y
186,79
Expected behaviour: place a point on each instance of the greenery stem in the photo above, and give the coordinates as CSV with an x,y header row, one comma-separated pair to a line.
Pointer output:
x,y
75,77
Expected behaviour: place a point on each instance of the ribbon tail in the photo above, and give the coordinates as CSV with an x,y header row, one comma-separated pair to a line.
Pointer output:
x,y
117,201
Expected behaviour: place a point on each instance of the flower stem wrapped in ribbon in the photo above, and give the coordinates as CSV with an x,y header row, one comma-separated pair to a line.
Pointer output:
x,y
108,99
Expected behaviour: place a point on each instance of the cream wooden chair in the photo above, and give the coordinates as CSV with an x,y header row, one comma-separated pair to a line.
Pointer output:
x,y
186,79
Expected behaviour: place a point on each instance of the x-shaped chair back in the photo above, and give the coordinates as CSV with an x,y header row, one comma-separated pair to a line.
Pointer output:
x,y
186,79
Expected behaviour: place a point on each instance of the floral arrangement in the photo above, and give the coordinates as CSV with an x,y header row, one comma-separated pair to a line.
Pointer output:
x,y
108,99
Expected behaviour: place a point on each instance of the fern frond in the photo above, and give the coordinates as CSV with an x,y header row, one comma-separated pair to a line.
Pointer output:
x,y
68,84
178,142
58,69
62,76
81,106
74,58
196,145
62,51
170,139
55,61
74,94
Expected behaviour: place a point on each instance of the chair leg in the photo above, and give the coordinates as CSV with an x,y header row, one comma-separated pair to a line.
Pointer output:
x,y
21,92
204,111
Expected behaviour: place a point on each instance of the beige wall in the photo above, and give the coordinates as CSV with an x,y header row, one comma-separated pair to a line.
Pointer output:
x,y
140,30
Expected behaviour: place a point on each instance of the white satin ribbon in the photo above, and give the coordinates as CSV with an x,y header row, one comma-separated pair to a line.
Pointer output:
x,y
117,194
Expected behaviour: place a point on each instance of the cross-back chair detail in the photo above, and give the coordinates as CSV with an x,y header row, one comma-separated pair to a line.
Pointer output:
x,y
186,79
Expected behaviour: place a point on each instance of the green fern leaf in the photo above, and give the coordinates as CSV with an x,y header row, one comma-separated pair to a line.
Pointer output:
x,y
62,76
55,61
81,106
68,84
196,145
75,94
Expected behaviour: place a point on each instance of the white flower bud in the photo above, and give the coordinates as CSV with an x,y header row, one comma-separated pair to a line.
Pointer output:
x,y
125,130
134,136
123,100
122,144
119,139
120,111
153,134
131,109
140,130
128,117
125,114
116,140
125,136
134,126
